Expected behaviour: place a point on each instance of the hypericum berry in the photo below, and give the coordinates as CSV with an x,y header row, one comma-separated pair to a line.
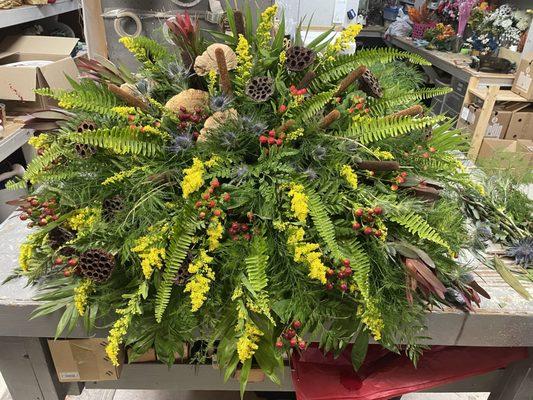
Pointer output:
x,y
42,222
272,133
293,342
359,212
215,183
400,179
271,141
24,216
368,231
356,226
212,204
54,217
296,324
235,238
198,204
206,196
34,202
72,262
403,174
263,139
359,106
235,226
58,261
302,345
343,287
217,213
290,333
282,108
226,197
340,274
329,286
67,273
279,344
244,227
346,262
425,155
394,187
279,142
378,233
247,236
330,272
348,271
432,149
210,190
378,210
201,215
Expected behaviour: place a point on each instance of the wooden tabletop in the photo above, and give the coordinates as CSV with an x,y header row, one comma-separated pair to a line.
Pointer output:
x,y
504,320
456,64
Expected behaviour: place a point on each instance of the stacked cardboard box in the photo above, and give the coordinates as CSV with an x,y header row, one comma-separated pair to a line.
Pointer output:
x,y
523,83
515,156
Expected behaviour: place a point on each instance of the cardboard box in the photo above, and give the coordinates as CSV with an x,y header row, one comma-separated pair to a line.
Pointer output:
x,y
31,62
80,360
513,155
521,125
523,82
499,120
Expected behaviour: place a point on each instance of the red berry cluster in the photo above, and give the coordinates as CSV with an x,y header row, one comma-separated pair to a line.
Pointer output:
x,y
422,152
297,92
41,213
360,105
187,118
290,337
282,108
210,205
273,139
69,266
340,274
365,221
239,230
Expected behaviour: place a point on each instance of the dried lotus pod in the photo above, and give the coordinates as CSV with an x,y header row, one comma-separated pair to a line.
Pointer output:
x,y
111,206
182,275
216,120
369,84
189,99
299,58
85,150
96,264
86,126
58,236
260,88
208,61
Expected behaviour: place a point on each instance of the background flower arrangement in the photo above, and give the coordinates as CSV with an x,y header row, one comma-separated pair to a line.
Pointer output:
x,y
251,194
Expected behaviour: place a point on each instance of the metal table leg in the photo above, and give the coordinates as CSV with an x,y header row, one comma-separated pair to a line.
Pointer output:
x,y
28,371
517,382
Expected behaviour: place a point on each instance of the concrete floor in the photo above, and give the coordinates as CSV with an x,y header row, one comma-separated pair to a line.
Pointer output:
x,y
168,395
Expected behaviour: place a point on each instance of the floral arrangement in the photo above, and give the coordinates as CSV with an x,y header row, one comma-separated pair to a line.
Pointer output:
x,y
439,36
448,11
251,194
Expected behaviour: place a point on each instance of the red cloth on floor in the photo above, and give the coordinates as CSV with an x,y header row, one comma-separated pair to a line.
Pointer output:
x,y
384,374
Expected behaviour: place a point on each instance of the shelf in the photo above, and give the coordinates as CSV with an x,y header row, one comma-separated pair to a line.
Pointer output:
x,y
20,15
503,95
15,138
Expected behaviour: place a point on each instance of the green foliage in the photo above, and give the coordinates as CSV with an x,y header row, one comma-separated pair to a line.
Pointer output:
x,y
323,223
391,100
311,107
182,236
256,264
416,225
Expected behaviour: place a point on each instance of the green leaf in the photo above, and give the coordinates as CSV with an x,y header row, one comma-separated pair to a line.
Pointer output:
x,y
230,15
248,20
65,319
245,372
280,34
318,40
359,348
511,280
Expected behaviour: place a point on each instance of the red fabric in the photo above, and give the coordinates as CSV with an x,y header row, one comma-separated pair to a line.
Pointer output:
x,y
385,374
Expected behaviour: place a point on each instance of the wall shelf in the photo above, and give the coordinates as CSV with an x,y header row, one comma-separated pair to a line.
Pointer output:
x,y
23,14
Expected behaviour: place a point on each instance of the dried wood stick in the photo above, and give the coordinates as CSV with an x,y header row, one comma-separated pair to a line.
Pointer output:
x,y
379,165
410,112
127,97
286,126
329,119
349,79
306,80
239,22
225,81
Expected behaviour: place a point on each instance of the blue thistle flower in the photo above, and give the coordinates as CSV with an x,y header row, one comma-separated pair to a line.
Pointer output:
x,y
181,143
220,103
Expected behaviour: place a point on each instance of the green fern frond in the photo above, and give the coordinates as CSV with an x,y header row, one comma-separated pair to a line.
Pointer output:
x,y
344,64
256,264
323,223
120,140
145,50
182,236
398,99
38,164
360,265
445,138
375,129
309,108
417,225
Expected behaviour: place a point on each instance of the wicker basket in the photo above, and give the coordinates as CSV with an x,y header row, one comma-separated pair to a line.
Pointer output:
x,y
7,4
420,29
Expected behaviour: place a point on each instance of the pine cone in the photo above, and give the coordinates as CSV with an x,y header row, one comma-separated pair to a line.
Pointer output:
x,y
96,264
111,206
299,58
260,88
58,236
369,84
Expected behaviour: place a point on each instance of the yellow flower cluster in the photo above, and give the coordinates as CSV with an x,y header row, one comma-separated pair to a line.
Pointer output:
x,y
350,176
372,319
124,111
214,234
39,142
212,161
194,178
81,295
247,343
345,39
295,134
244,60
299,202
198,285
382,155
152,130
308,253
120,176
84,220
151,250
212,81
116,336
25,253
282,57
266,22
133,47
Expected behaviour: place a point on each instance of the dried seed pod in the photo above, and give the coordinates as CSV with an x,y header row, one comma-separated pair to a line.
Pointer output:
x,y
84,150
369,84
412,111
216,120
239,22
67,251
183,275
329,119
58,236
306,80
188,99
349,79
208,61
286,126
127,97
299,58
111,206
86,126
96,264
260,88
225,79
